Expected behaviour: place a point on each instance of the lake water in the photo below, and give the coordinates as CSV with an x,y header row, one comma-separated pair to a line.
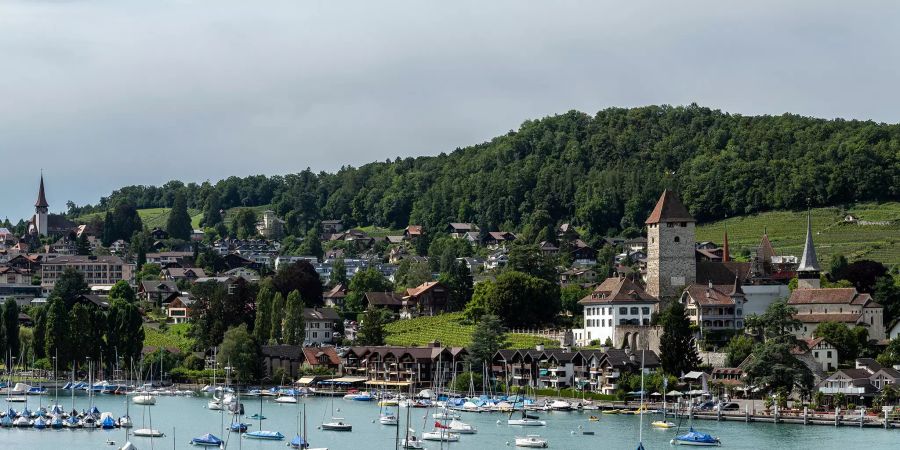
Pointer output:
x,y
186,417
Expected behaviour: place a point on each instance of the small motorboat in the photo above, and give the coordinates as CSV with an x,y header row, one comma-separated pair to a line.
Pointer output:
x,y
286,399
531,441
147,432
593,418
144,399
457,426
610,411
337,424
387,419
257,416
697,439
559,405
363,397
239,427
388,402
264,435
662,424
207,440
526,422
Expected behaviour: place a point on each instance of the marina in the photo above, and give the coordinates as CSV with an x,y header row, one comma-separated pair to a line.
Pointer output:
x,y
183,418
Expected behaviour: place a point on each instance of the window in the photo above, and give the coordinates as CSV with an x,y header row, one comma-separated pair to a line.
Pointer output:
x,y
645,310
670,225
739,311
683,224
623,321
634,310
646,321
828,354
815,354
623,310
677,239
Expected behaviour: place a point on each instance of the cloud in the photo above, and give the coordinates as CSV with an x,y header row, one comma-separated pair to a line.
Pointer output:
x,y
107,93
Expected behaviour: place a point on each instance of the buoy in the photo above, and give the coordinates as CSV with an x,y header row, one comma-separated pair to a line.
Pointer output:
x,y
498,421
373,420
507,443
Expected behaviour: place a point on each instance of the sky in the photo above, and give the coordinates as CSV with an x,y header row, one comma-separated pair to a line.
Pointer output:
x,y
106,93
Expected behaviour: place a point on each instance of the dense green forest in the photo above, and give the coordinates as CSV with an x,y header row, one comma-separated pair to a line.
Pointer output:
x,y
602,173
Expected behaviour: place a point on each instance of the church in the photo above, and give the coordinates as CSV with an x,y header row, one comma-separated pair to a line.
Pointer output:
x,y
43,223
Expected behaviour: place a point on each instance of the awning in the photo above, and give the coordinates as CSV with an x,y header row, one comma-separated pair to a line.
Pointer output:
x,y
306,380
343,380
387,383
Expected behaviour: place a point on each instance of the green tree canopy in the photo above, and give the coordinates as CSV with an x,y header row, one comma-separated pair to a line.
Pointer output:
x,y
10,319
69,286
371,329
738,349
294,332
369,280
488,337
459,282
262,328
243,224
178,223
242,352
122,290
849,342
300,276
521,300
678,354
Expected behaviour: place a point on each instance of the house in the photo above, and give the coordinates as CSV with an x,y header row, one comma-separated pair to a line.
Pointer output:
x,y
567,233
183,273
197,235
472,263
389,300
427,299
822,352
118,247
577,277
727,377
158,234
842,305
619,362
413,231
335,296
715,307
249,275
158,291
321,358
332,226
179,309
496,260
320,325
866,380
638,244
16,281
92,300
166,259
270,226
289,358
616,301
97,270
282,261
583,253
422,367
548,248
395,240
495,239
458,230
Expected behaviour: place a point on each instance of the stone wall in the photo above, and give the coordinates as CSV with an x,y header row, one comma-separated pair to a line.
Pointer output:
x,y
637,337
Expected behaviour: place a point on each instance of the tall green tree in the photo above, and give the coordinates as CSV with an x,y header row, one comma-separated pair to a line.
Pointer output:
x,y
371,330
521,300
124,330
262,329
69,286
678,354
459,282
243,224
489,337
242,352
776,324
122,290
849,342
294,332
278,307
82,246
11,326
56,338
369,280
738,349
178,224
339,273
212,215
40,330
300,276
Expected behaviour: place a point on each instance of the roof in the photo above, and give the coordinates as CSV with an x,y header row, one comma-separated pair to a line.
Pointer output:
x,y
422,288
461,226
42,199
722,272
338,291
384,298
179,272
290,352
414,229
313,354
844,296
809,262
159,286
716,294
320,314
622,358
819,318
618,290
669,209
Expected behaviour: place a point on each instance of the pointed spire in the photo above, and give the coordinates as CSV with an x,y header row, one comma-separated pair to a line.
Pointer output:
x,y
809,262
737,289
725,255
669,209
42,199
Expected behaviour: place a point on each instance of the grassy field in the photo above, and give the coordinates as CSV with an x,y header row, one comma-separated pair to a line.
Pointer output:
x,y
174,336
787,231
258,210
450,331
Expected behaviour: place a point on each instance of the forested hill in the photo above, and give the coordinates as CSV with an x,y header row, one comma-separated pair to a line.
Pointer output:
x,y
599,172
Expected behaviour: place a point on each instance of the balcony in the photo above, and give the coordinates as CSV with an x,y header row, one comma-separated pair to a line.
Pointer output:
x,y
851,390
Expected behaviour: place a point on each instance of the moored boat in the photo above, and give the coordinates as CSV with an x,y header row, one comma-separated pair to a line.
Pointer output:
x,y
337,424
264,435
662,424
531,441
147,432
697,439
207,440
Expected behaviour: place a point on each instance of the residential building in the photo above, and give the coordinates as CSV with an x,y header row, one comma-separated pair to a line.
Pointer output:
x,y
715,307
332,226
389,300
179,309
427,299
413,231
281,261
459,230
866,380
166,259
616,301
97,270
335,296
577,276
496,239
822,352
423,367
270,226
158,292
184,273
320,325
842,305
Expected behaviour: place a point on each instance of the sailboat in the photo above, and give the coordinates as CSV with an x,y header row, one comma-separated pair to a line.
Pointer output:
x,y
695,438
387,417
337,423
263,434
207,440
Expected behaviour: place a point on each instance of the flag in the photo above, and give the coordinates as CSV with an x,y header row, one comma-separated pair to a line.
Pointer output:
x,y
438,425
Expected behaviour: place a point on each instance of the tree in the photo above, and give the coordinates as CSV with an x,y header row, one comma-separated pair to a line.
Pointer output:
x,y
412,273
774,368
887,293
848,342
56,339
212,215
278,306
11,326
738,349
891,354
124,329
862,274
369,280
178,223
150,271
122,290
570,296
294,332
69,286
521,300
243,224
488,337
339,272
837,266
527,258
776,324
242,352
459,283
300,276
371,330
311,245
82,246
678,352
40,330
79,332
262,328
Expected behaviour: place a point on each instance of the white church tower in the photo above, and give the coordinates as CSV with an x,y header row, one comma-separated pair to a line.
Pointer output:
x,y
40,211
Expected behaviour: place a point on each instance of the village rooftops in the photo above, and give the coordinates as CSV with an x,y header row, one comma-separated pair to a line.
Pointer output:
x,y
618,290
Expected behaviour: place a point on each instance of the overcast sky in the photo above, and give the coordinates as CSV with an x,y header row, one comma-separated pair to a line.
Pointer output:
x,y
102,94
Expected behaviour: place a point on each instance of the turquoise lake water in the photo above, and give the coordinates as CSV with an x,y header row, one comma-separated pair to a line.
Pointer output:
x,y
182,418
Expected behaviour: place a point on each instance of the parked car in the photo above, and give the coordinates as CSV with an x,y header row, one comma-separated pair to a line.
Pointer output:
x,y
729,406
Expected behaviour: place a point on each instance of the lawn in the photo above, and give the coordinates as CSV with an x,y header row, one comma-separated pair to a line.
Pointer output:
x,y
787,231
173,336
450,330
151,217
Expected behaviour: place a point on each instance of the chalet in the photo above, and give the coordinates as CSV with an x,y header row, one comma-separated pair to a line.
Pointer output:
x,y
158,234
567,233
388,300
472,263
497,260
167,259
321,358
335,296
15,281
178,310
158,291
184,273
197,235
548,248
26,263
458,230
583,253
92,300
495,239
233,261
822,352
395,240
412,232
332,226
428,299
715,307
638,244
577,277
320,325
866,380
247,274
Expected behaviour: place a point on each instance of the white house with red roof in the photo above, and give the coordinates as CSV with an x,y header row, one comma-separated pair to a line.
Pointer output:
x,y
615,302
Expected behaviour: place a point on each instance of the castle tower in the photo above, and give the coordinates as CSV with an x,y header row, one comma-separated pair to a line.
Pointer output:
x,y
808,270
40,211
671,263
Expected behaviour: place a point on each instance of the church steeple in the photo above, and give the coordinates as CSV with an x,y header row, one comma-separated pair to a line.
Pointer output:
x,y
808,270
42,199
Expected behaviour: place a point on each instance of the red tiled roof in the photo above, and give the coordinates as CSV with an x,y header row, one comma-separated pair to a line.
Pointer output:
x,y
823,296
312,355
669,209
617,290
718,294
